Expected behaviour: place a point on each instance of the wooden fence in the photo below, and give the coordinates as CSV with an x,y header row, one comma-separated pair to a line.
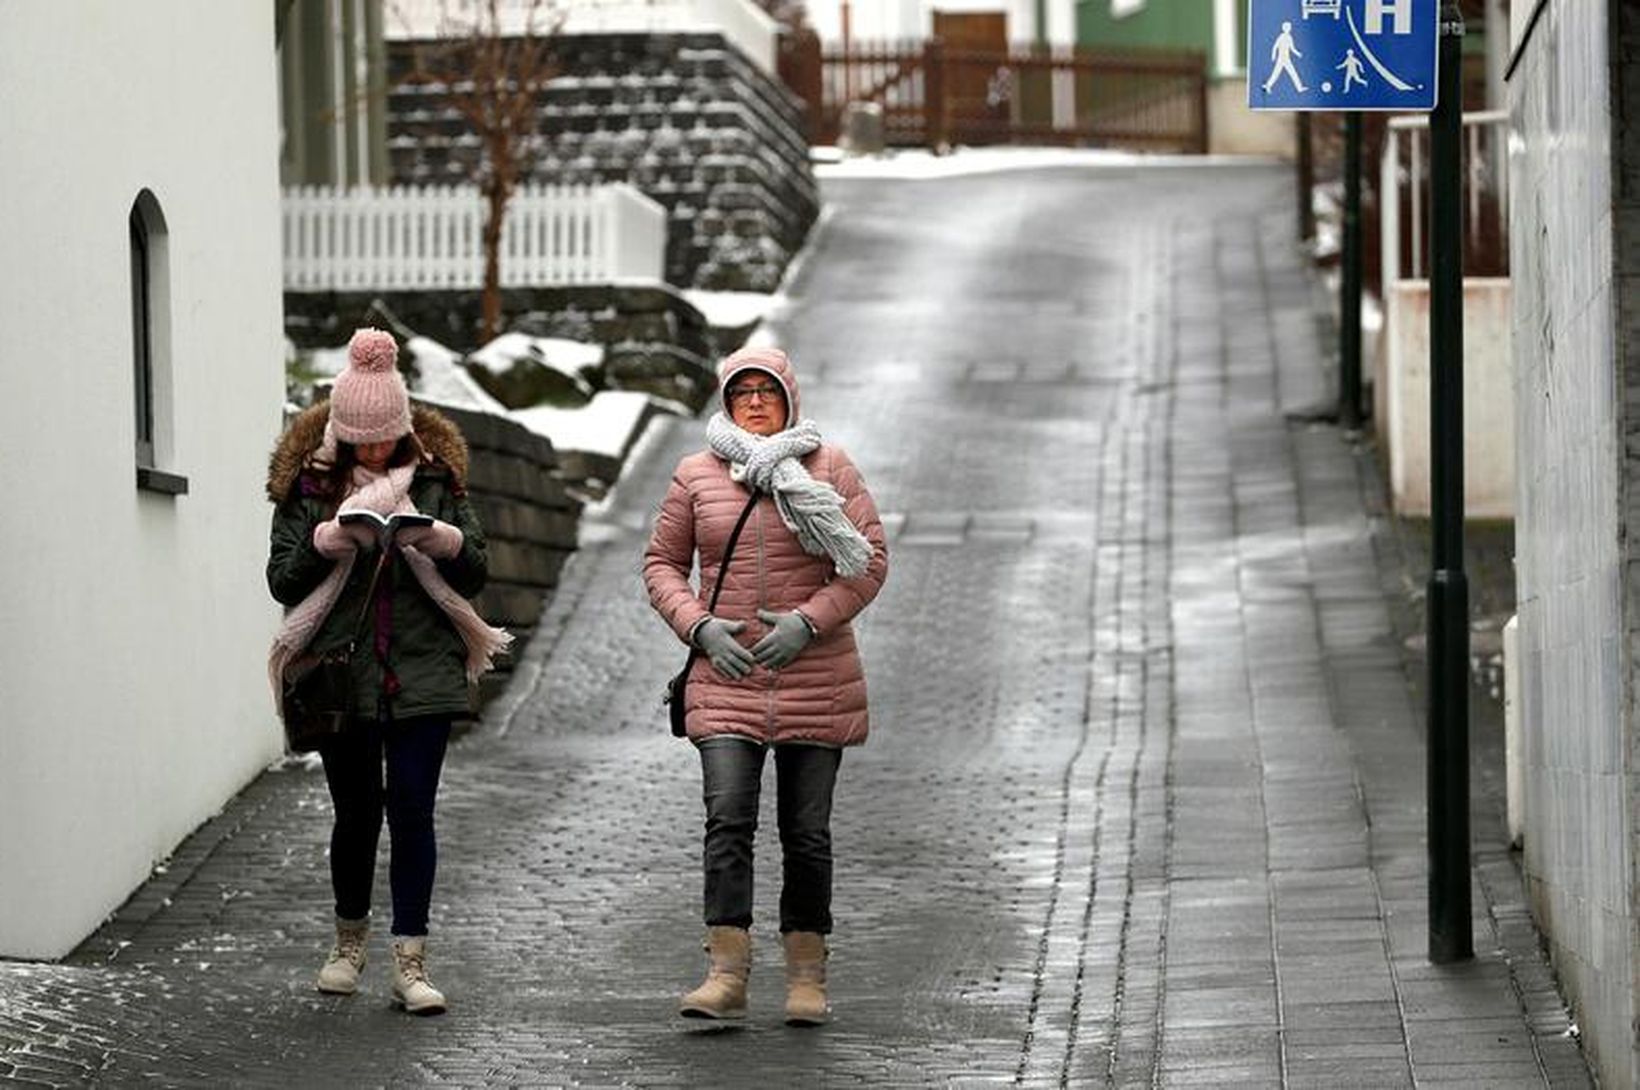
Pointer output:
x,y
431,237
932,95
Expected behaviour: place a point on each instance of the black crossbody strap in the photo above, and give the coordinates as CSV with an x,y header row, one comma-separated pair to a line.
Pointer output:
x,y
370,593
729,552
723,571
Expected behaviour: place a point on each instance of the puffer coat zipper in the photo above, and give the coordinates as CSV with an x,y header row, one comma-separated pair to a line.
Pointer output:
x,y
763,603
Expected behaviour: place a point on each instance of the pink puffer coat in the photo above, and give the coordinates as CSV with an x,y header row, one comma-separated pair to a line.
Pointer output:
x,y
819,697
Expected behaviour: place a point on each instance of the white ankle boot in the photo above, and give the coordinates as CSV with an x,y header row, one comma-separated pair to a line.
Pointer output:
x,y
340,974
411,988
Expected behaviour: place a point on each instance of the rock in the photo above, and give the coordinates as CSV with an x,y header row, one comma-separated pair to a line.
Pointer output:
x,y
520,371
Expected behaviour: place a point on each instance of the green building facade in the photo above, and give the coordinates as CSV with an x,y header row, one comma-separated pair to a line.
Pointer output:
x,y
1165,24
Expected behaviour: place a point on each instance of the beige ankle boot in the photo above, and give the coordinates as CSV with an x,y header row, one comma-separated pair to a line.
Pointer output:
x,y
411,988
340,974
723,995
806,955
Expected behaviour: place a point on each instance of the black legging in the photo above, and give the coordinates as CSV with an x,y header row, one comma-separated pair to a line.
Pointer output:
x,y
414,751
731,778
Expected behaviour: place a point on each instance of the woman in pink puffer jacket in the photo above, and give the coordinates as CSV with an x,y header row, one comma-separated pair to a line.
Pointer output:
x,y
778,666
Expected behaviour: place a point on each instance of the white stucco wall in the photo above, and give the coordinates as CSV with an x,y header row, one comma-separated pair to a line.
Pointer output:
x,y
133,626
1233,129
1488,397
1575,584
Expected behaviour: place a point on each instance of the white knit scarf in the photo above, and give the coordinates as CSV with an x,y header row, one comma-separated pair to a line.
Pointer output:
x,y
386,494
810,509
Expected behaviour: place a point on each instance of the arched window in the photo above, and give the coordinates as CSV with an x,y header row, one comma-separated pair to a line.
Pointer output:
x,y
151,345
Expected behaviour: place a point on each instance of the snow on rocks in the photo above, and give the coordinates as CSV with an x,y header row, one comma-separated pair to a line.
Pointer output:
x,y
545,384
733,310
440,378
521,371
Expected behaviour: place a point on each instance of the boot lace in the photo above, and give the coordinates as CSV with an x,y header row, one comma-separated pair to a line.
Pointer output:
x,y
413,967
349,946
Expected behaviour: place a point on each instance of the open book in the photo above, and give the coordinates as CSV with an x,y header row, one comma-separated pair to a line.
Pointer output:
x,y
385,527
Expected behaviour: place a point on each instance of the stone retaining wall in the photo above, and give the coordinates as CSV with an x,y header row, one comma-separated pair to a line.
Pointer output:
x,y
529,517
685,118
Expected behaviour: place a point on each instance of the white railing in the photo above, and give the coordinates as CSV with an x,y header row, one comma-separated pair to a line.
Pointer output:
x,y
1485,191
742,22
370,239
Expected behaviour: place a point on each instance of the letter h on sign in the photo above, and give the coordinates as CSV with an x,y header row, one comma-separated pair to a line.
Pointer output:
x,y
1398,10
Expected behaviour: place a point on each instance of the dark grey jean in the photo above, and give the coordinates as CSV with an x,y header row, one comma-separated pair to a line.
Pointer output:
x,y
731,778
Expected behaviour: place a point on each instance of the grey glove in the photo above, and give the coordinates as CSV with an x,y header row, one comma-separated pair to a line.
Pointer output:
x,y
785,641
716,637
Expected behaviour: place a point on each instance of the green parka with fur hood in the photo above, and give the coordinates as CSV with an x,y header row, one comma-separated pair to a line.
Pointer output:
x,y
423,671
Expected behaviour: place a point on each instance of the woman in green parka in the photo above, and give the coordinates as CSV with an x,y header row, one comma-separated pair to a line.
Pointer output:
x,y
420,641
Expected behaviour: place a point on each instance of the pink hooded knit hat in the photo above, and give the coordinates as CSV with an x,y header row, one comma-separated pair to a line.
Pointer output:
x,y
369,403
771,361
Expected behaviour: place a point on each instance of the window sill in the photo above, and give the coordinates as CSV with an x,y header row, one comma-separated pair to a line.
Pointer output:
x,y
150,479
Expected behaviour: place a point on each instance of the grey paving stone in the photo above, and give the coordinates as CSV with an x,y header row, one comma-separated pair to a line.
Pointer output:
x,y
1141,802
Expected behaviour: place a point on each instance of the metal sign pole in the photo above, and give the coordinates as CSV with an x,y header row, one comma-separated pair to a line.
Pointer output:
x,y
1306,179
1349,308
1450,928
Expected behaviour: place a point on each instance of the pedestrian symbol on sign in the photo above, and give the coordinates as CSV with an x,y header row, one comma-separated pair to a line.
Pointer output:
x,y
1283,53
1384,48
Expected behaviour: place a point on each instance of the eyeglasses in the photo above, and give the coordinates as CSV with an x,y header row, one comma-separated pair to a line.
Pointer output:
x,y
741,394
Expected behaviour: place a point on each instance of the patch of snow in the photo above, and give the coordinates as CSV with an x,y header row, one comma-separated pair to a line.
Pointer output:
x,y
571,358
602,426
668,405
327,361
921,165
732,309
443,380
1372,315
596,513
763,337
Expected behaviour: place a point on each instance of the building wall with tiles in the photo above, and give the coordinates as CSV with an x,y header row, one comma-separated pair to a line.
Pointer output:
x,y
1625,68
1575,475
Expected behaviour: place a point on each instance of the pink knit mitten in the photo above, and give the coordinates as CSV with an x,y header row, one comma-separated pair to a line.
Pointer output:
x,y
333,541
441,541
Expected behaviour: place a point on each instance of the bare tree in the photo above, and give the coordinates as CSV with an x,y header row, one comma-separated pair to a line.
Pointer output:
x,y
491,62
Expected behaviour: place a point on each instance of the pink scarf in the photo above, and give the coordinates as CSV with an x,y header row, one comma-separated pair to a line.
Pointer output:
x,y
386,494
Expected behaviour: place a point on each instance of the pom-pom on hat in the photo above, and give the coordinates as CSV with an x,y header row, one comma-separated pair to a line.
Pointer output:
x,y
369,403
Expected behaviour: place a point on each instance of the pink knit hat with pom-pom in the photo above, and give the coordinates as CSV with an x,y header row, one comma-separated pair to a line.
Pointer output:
x,y
369,403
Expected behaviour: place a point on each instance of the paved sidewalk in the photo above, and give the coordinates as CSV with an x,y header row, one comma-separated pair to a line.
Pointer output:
x,y
1143,800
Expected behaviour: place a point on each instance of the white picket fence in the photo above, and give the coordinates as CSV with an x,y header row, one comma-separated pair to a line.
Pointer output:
x,y
379,239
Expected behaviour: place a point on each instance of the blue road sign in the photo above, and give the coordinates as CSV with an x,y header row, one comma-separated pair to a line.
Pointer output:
x,y
1342,54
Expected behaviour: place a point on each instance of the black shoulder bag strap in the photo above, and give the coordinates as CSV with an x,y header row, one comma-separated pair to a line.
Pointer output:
x,y
675,687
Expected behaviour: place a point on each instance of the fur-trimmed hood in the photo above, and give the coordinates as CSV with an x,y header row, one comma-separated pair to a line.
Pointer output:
x,y
437,433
